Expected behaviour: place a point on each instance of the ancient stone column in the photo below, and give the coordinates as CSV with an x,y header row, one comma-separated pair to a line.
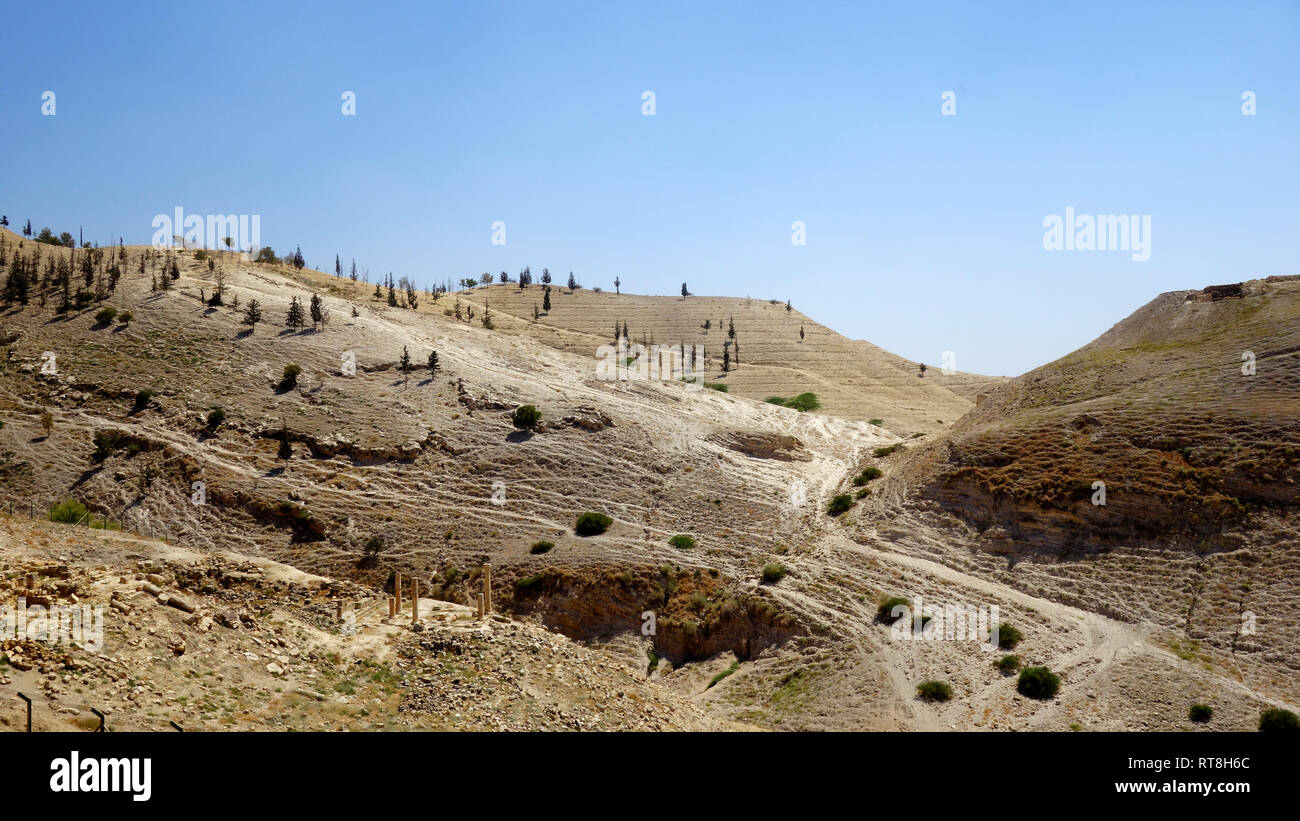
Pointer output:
x,y
487,589
392,607
338,610
397,589
480,605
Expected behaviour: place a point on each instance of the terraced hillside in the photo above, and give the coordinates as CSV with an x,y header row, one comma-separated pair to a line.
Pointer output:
x,y
766,608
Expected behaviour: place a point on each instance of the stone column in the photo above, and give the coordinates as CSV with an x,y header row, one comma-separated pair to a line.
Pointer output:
x,y
487,589
397,589
480,605
392,607
338,610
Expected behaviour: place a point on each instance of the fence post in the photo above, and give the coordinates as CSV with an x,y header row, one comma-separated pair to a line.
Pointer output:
x,y
29,711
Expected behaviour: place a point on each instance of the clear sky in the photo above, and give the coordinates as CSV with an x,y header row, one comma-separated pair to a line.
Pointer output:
x,y
924,231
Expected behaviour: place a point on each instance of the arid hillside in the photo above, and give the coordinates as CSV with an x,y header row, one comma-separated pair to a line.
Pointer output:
x,y
1186,411
321,447
1185,416
852,378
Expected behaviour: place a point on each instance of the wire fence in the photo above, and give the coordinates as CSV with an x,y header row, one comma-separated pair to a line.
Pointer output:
x,y
74,513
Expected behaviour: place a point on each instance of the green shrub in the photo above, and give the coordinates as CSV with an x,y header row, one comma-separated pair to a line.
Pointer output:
x,y
1007,664
862,492
70,512
773,573
1038,682
802,402
216,416
735,665
880,453
541,547
526,417
682,541
839,504
885,612
1200,713
876,422
716,386
1278,721
291,374
934,691
592,524
867,474
1008,636
143,397
529,582
105,315
125,317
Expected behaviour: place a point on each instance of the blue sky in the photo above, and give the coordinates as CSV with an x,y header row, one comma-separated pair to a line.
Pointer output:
x,y
924,231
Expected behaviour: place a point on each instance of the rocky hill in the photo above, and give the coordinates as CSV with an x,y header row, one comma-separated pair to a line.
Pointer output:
x,y
719,577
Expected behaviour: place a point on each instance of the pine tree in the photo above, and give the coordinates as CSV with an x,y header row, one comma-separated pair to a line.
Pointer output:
x,y
616,284
617,332
573,283
338,266
405,365
801,333
253,314
731,328
726,358
433,364
317,309
377,294
546,300
298,261
295,318
788,306
546,272
685,293
354,270
285,450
